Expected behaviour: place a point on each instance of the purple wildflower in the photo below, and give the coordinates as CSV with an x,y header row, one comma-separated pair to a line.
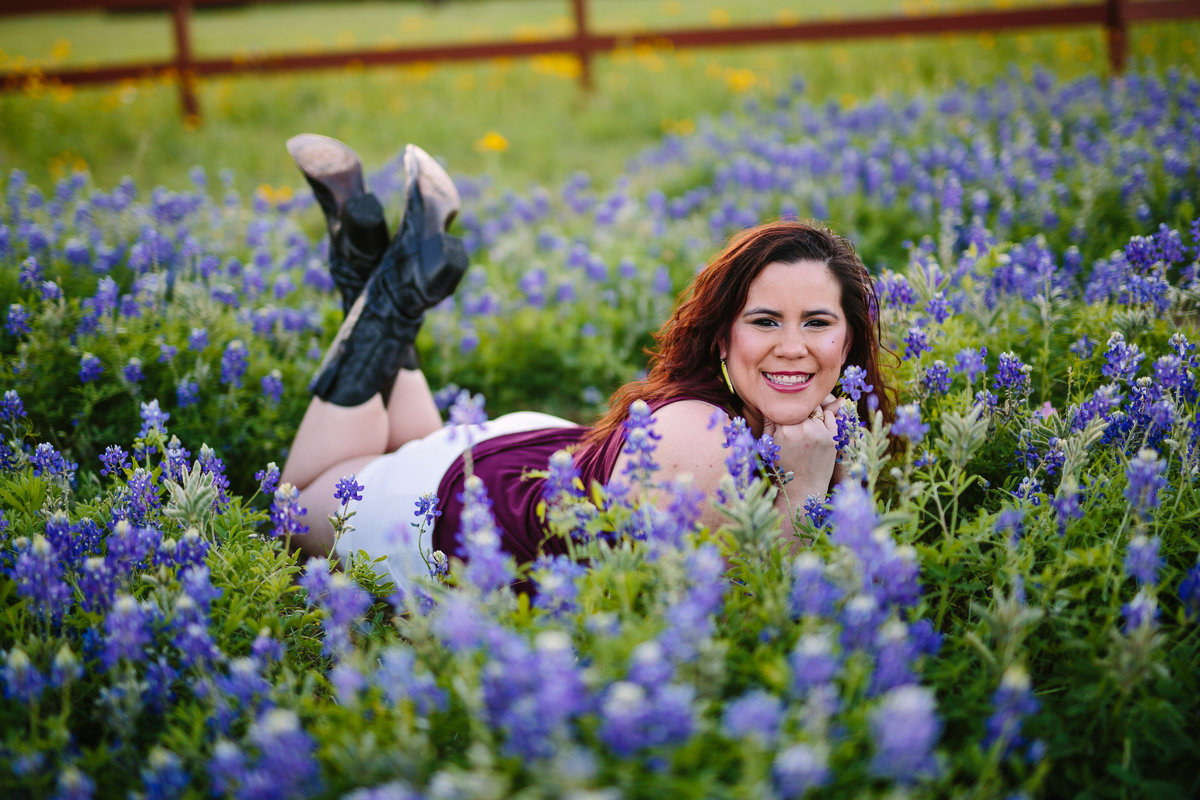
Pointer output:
x,y
233,363
1012,375
126,632
1121,359
114,460
937,378
854,382
640,442
488,567
272,386
908,423
905,728
22,680
1189,591
268,479
799,768
11,407
286,512
814,661
1013,702
153,419
971,362
17,323
1142,561
916,341
89,368
1146,479
1141,611
347,489
132,372
755,715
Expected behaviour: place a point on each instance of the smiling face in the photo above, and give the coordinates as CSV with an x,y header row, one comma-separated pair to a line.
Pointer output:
x,y
787,345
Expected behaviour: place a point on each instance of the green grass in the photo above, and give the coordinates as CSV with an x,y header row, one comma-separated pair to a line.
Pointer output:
x,y
552,127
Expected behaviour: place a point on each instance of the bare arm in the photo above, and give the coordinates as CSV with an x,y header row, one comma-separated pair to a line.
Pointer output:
x,y
689,445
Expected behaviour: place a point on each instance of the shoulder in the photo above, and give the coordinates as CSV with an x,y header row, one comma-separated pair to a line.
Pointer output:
x,y
689,439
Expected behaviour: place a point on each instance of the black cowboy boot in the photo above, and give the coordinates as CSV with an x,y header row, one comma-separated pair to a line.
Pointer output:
x,y
420,268
358,232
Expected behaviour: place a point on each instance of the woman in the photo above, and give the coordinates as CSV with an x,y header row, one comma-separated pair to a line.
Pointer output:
x,y
763,333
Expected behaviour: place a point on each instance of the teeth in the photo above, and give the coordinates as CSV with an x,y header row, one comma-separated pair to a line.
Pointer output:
x,y
788,380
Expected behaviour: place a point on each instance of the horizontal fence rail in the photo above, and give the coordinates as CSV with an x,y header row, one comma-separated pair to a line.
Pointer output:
x,y
1113,16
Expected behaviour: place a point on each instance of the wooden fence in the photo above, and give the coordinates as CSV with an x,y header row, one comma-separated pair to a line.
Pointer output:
x,y
1113,16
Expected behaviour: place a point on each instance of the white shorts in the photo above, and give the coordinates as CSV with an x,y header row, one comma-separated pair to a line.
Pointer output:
x,y
394,482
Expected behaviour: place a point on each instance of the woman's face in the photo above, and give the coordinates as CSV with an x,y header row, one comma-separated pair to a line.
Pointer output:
x,y
787,345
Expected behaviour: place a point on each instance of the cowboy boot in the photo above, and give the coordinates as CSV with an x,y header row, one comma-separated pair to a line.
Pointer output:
x,y
358,232
421,267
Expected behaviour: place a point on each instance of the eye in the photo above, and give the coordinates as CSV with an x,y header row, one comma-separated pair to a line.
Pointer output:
x,y
817,323
764,322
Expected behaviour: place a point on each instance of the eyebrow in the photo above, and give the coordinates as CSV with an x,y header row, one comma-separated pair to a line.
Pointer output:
x,y
815,312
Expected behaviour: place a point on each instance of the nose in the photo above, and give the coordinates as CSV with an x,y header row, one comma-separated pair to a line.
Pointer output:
x,y
792,343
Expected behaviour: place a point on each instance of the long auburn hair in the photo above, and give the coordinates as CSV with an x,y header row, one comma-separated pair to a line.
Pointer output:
x,y
687,359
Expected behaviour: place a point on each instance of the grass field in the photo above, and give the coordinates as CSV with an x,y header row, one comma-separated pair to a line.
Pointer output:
x,y
544,126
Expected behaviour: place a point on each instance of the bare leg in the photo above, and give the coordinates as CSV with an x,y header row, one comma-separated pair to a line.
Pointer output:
x,y
335,441
412,414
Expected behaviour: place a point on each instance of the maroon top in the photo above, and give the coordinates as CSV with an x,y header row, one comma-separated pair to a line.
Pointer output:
x,y
502,463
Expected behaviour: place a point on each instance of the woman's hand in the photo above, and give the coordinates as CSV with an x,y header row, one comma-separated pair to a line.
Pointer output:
x,y
808,451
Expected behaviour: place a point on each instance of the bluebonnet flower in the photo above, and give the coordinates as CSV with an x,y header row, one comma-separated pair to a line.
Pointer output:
x,y
938,307
22,680
65,669
198,339
30,273
741,460
268,479
895,653
89,368
1012,375
286,512
640,442
17,322
1142,561
1121,359
860,617
937,378
1189,591
38,574
285,761
126,632
904,730
1083,347
1145,474
11,407
562,482
347,489
49,462
799,768
166,352
633,719
272,386
812,594
467,409
73,784
163,777
458,623
755,715
488,567
175,460
971,362
853,382
343,600
1066,504
530,694
233,363
1013,702
555,578
187,393
132,371
1029,491
908,423
1141,611
814,661
266,648
153,419
397,678
916,341
649,666
816,510
113,460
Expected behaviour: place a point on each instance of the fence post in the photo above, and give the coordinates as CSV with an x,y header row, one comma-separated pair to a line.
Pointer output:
x,y
181,17
582,47
1115,32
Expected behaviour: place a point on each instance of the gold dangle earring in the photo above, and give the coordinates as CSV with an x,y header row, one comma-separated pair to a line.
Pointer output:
x,y
725,373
